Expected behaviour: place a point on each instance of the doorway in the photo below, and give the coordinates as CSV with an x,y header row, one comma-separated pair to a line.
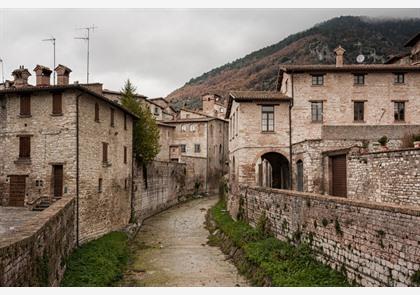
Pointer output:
x,y
338,176
57,181
17,190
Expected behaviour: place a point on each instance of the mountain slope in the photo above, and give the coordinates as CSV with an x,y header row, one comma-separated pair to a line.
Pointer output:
x,y
379,38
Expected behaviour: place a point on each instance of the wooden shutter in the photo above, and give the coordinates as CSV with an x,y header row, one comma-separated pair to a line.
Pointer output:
x,y
125,155
339,176
112,117
57,104
24,147
25,105
104,152
96,112
17,190
58,180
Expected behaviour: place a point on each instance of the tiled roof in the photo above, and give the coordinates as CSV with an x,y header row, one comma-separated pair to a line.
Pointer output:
x,y
350,68
30,89
258,95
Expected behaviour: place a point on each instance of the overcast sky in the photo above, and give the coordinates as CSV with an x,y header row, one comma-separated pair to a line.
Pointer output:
x,y
158,49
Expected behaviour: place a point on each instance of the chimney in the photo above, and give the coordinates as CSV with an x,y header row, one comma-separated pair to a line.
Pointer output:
x,y
339,56
42,75
21,76
63,74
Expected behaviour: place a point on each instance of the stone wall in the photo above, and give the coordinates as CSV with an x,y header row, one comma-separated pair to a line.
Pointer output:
x,y
196,174
156,188
36,255
375,244
389,176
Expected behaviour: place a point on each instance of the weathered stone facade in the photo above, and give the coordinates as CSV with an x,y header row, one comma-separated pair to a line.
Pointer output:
x,y
157,188
36,256
374,244
388,176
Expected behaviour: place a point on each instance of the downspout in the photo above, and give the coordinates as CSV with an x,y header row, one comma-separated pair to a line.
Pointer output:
x,y
77,172
290,138
207,160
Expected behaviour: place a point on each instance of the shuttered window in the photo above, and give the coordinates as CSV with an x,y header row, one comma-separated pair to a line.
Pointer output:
x,y
96,112
57,108
25,105
267,118
112,117
359,111
24,147
317,111
399,111
125,155
104,152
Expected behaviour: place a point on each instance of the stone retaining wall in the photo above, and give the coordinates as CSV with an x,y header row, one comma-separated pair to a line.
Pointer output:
x,y
390,176
160,189
36,254
374,244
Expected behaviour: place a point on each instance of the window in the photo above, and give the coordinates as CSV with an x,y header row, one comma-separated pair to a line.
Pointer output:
x,y
112,117
96,112
399,111
359,79
183,148
57,108
197,148
316,111
125,155
192,127
233,125
125,183
24,146
399,78
184,127
359,111
104,152
100,185
222,110
125,121
317,79
156,111
267,119
25,105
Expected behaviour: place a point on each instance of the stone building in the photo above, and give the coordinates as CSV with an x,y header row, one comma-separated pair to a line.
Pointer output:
x,y
65,140
213,105
305,129
200,141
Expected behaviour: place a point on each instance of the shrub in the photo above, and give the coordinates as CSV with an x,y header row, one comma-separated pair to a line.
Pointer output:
x,y
383,140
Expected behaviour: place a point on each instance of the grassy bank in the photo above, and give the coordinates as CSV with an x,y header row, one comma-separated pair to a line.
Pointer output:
x,y
98,263
281,263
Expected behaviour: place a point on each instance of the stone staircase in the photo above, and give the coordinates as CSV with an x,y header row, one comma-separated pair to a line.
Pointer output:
x,y
44,204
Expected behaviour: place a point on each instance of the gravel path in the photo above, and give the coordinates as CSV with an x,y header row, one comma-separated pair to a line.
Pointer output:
x,y
171,250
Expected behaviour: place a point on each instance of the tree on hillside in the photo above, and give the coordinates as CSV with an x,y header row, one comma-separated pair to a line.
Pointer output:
x,y
146,132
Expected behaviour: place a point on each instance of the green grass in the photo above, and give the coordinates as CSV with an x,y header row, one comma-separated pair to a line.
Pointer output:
x,y
283,263
98,263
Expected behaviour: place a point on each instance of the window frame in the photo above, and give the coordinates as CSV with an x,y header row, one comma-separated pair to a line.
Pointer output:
x,y
356,111
197,148
24,153
318,114
57,108
397,80
357,80
125,154
183,148
25,105
112,114
96,119
397,110
265,122
317,79
105,158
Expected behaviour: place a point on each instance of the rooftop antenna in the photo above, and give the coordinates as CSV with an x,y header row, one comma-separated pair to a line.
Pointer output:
x,y
52,39
88,29
2,70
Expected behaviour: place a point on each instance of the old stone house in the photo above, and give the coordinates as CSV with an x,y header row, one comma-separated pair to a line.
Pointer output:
x,y
299,137
64,140
200,141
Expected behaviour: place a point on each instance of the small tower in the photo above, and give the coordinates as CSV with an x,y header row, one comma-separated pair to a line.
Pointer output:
x,y
339,56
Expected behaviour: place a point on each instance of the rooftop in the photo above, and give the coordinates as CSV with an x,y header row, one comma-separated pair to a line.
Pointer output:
x,y
349,68
258,95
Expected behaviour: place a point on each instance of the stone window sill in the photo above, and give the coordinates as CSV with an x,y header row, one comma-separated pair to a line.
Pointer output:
x,y
317,85
359,121
399,84
268,132
358,85
25,116
317,122
56,115
106,164
23,161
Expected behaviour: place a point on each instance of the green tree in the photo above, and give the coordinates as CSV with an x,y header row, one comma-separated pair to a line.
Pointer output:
x,y
146,132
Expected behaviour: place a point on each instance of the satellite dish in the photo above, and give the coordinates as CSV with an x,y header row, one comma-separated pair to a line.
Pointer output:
x,y
360,58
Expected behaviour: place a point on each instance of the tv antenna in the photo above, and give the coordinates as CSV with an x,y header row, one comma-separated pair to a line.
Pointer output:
x,y
2,70
87,38
52,39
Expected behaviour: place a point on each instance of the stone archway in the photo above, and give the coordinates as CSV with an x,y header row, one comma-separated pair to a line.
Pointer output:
x,y
273,171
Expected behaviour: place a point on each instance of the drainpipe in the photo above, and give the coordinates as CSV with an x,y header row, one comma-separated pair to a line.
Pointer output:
x,y
207,160
290,138
77,171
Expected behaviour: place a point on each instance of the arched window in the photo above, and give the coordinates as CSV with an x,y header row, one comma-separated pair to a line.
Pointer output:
x,y
299,178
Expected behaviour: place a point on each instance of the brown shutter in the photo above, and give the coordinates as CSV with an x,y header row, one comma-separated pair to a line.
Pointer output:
x,y
57,104
24,147
112,117
339,176
125,155
25,105
17,190
96,112
104,152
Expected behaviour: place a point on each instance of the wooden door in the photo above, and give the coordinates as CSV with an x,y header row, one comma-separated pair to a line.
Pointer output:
x,y
17,190
299,168
339,176
58,180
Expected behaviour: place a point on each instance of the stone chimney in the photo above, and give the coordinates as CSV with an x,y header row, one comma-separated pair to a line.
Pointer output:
x,y
63,75
42,75
21,76
339,56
